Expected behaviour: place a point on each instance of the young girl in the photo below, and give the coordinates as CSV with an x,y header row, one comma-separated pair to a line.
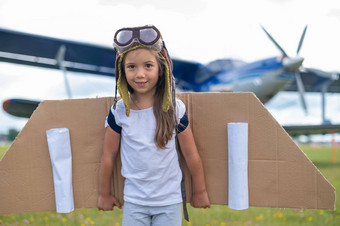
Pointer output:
x,y
144,124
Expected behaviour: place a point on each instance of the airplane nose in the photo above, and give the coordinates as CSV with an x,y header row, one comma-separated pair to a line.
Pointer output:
x,y
292,64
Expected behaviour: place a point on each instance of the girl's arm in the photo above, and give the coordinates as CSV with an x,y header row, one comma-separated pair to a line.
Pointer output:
x,y
111,146
186,141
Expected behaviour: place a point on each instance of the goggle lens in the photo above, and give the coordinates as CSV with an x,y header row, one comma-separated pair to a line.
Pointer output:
x,y
148,35
124,37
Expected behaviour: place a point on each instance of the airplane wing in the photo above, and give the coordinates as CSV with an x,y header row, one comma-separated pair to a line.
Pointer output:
x,y
296,130
41,51
315,80
184,72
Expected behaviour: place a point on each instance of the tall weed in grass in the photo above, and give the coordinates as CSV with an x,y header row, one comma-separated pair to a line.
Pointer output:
x,y
216,215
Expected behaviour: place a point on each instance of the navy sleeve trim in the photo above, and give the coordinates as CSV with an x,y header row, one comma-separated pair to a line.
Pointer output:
x,y
183,124
112,123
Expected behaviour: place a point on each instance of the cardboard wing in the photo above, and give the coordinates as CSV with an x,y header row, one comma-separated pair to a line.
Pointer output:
x,y
279,173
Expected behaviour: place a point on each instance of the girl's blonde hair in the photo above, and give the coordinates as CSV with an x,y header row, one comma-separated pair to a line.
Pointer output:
x,y
165,121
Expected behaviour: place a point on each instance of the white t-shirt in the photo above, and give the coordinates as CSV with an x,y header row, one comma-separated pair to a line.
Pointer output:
x,y
152,175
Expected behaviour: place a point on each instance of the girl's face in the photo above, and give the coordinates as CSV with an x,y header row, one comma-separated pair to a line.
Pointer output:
x,y
141,71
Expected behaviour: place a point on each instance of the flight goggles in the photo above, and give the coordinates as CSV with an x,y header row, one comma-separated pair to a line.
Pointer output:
x,y
148,36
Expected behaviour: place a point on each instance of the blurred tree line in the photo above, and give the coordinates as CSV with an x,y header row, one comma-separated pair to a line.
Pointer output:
x,y
10,136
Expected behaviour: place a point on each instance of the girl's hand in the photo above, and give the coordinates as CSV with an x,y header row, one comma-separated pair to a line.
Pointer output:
x,y
107,202
200,200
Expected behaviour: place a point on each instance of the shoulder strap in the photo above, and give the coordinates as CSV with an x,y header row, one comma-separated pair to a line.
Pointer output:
x,y
184,199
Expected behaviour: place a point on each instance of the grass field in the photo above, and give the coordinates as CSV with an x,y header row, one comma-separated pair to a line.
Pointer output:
x,y
216,215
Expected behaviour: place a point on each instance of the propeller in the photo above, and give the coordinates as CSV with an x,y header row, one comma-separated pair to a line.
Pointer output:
x,y
293,65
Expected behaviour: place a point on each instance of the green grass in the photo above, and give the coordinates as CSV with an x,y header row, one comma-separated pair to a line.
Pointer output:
x,y
3,150
216,215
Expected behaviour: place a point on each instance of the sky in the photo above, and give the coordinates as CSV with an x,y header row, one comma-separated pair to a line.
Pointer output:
x,y
194,30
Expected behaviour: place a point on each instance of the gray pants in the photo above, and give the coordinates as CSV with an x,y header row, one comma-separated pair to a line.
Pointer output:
x,y
137,215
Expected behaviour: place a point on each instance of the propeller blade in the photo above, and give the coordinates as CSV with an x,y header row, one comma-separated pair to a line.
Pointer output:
x,y
275,43
301,40
301,91
60,57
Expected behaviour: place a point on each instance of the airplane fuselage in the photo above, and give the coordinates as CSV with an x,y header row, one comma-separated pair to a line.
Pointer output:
x,y
265,78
